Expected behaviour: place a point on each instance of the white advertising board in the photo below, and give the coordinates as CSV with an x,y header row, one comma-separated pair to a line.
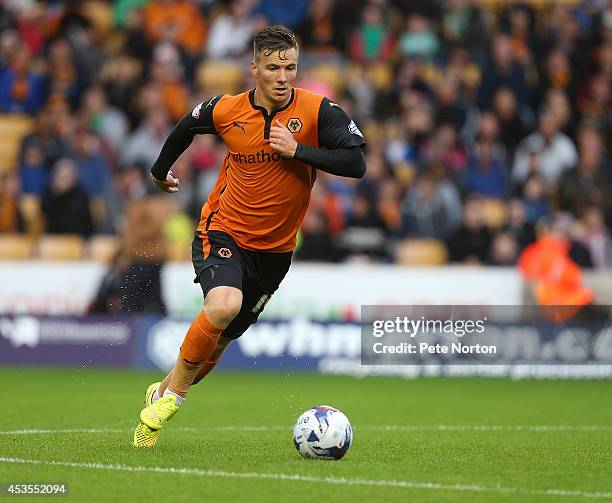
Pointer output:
x,y
336,292
48,287
324,292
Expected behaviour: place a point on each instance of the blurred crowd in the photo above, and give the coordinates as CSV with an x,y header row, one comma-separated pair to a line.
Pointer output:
x,y
483,118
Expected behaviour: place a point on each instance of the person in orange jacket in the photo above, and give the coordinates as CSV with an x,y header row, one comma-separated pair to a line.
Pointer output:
x,y
557,279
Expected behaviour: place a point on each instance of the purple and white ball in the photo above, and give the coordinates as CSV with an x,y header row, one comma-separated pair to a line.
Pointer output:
x,y
323,432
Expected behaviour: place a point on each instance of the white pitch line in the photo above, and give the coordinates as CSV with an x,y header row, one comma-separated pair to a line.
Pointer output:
x,y
404,484
389,427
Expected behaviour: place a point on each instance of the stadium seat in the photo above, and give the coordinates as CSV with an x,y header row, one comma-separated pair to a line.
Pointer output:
x,y
15,247
332,75
495,212
65,247
220,76
29,205
102,248
421,252
12,129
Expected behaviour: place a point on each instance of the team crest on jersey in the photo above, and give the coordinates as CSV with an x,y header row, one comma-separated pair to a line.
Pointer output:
x,y
224,252
294,125
352,127
196,111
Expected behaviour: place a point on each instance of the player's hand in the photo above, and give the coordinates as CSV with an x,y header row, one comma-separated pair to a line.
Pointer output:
x,y
170,184
282,141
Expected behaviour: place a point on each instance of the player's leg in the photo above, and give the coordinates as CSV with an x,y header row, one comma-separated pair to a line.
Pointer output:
x,y
221,305
218,266
222,345
213,360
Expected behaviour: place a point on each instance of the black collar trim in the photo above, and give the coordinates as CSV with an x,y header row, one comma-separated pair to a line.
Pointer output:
x,y
274,110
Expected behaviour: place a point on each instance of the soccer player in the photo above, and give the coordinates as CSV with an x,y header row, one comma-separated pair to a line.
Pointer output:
x,y
277,136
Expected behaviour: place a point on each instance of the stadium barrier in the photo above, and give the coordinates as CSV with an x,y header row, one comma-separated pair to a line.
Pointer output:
x,y
320,292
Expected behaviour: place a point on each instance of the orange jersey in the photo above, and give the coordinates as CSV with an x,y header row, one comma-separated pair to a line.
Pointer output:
x,y
260,198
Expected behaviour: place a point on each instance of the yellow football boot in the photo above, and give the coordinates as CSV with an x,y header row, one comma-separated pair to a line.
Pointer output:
x,y
145,436
149,393
157,414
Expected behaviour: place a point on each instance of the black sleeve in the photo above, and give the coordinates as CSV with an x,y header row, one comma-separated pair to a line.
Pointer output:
x,y
198,121
341,144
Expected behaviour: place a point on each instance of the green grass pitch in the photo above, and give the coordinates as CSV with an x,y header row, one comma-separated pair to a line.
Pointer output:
x,y
431,440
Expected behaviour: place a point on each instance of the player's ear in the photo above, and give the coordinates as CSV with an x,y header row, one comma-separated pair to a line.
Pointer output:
x,y
254,69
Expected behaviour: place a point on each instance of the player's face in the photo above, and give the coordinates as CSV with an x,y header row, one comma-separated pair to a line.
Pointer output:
x,y
275,75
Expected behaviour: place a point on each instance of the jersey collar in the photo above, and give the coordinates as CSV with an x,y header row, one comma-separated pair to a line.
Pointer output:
x,y
269,116
274,110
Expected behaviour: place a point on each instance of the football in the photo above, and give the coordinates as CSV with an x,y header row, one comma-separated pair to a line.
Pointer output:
x,y
323,432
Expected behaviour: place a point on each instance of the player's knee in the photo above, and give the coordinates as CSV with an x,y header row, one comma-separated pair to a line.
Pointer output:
x,y
222,305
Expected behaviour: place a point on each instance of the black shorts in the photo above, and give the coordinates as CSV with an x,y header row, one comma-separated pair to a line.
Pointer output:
x,y
219,261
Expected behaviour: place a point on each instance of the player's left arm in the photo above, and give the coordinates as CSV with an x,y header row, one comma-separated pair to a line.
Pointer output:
x,y
341,151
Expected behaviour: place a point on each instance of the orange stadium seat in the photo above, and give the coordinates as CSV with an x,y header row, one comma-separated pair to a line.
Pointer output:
x,y
218,77
495,212
421,252
102,248
12,129
66,247
15,247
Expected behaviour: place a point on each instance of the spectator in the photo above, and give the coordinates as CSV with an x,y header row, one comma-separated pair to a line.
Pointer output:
x,y
487,173
504,250
462,25
316,243
287,12
471,242
231,32
34,172
65,204
366,233
175,21
502,71
107,121
63,80
512,126
587,183
534,198
11,219
431,208
21,89
518,226
50,131
373,39
320,31
144,144
592,233
547,151
419,39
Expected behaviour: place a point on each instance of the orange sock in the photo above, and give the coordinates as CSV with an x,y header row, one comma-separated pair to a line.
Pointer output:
x,y
198,345
205,370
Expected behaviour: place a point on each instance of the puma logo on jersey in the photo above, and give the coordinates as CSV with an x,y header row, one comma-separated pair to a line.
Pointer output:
x,y
353,129
240,125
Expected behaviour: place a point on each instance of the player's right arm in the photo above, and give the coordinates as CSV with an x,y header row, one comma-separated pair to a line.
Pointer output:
x,y
198,121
